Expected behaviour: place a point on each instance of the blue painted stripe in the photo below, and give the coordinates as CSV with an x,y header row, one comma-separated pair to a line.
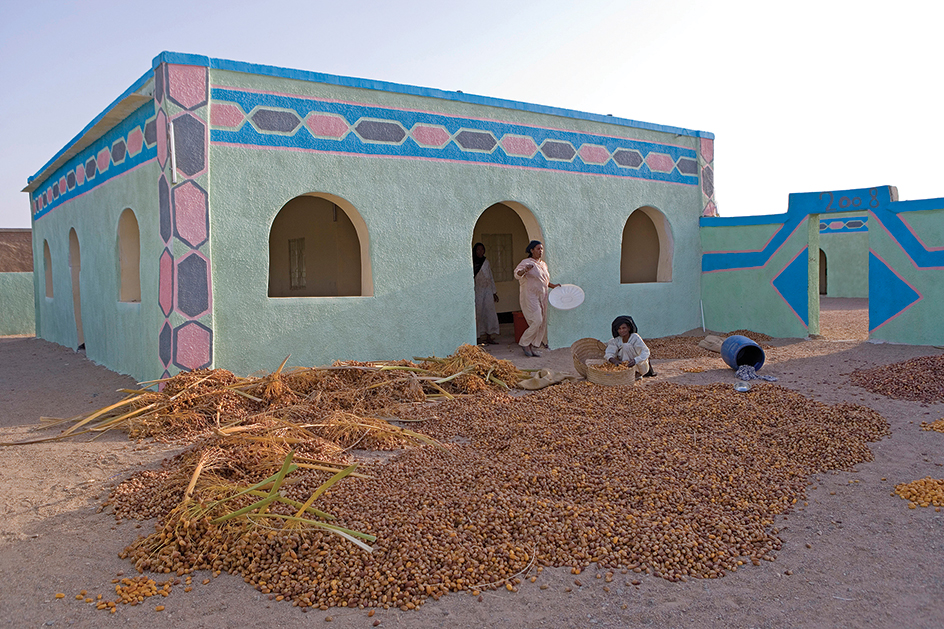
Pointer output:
x,y
730,261
138,119
398,88
922,257
351,143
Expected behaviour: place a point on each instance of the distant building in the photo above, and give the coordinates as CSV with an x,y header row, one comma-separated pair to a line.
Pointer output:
x,y
16,282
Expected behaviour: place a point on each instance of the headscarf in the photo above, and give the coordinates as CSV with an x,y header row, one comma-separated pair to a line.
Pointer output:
x,y
477,262
531,245
618,321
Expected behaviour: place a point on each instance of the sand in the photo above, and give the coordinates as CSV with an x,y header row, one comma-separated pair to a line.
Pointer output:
x,y
855,554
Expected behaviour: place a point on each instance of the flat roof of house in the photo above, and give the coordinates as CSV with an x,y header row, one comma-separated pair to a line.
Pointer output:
x,y
142,90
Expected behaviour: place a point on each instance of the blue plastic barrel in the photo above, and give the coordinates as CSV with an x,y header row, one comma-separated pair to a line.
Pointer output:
x,y
739,350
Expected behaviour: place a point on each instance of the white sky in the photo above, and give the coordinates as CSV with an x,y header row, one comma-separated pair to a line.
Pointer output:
x,y
802,96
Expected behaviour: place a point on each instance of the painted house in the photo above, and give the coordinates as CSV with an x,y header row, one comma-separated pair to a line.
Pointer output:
x,y
224,214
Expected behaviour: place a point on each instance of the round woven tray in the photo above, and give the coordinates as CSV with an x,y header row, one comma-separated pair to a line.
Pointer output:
x,y
609,378
586,349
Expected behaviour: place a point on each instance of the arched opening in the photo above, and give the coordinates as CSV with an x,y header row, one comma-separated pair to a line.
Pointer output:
x,y
75,266
47,268
129,257
822,272
319,247
647,247
505,229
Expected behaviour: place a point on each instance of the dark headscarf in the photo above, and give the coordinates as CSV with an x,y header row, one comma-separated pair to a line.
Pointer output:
x,y
477,262
531,245
618,321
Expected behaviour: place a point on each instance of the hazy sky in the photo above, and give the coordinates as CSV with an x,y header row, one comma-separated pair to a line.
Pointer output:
x,y
802,96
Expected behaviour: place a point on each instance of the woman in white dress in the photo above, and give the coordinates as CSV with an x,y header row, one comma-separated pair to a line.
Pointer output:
x,y
533,281
486,319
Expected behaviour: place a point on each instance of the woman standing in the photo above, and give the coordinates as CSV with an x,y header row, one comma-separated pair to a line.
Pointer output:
x,y
486,319
534,280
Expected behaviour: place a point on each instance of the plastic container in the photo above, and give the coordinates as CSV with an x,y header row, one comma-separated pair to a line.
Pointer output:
x,y
739,350
521,324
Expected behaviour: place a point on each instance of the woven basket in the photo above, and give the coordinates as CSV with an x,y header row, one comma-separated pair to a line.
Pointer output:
x,y
585,349
609,378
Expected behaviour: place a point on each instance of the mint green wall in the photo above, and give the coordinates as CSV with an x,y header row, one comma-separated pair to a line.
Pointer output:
x,y
847,262
919,324
122,336
745,298
420,216
16,304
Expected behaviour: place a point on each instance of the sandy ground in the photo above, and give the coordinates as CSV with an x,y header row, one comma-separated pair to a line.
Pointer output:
x,y
855,554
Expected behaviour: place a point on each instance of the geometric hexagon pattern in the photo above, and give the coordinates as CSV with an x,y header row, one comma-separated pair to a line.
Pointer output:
x,y
193,346
190,144
193,285
191,218
312,124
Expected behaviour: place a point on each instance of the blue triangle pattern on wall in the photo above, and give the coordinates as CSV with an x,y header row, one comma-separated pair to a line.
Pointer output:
x,y
889,295
792,284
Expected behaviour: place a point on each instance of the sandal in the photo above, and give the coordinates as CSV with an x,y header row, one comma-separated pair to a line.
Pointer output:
x,y
527,351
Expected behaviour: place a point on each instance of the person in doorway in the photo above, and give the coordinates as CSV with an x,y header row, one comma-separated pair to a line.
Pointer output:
x,y
533,281
486,319
627,347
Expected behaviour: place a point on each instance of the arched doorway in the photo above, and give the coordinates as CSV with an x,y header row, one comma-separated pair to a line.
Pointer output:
x,y
75,267
319,247
647,247
505,229
822,272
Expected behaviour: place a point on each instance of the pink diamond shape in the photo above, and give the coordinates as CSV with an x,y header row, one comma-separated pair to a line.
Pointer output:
x,y
187,85
48,195
837,225
226,115
161,126
135,141
327,126
62,185
594,154
79,175
430,136
660,162
190,213
192,349
707,149
519,145
165,295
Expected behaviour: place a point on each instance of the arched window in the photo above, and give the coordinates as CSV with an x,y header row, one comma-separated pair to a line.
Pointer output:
x,y
129,257
647,247
318,247
47,268
75,271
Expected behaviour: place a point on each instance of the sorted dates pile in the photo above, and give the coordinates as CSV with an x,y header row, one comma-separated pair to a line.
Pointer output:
x,y
918,380
676,481
687,346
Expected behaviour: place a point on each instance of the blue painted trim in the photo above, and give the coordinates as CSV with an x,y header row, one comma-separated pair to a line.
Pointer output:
x,y
131,90
351,143
801,205
922,257
919,205
399,88
138,119
740,221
